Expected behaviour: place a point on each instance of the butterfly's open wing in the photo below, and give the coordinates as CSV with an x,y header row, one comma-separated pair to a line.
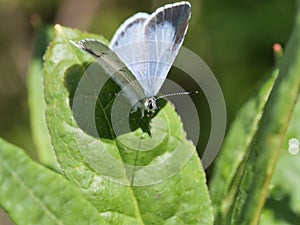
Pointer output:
x,y
164,35
128,44
113,66
148,44
130,31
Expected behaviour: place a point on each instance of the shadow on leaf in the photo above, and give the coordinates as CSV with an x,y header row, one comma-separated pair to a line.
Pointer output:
x,y
92,94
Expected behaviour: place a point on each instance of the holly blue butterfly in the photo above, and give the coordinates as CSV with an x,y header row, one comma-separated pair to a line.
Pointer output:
x,y
143,49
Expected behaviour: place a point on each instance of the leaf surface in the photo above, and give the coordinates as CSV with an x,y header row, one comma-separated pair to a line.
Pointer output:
x,y
150,175
32,194
282,205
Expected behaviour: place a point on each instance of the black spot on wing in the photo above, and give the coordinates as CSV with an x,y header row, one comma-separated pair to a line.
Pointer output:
x,y
138,20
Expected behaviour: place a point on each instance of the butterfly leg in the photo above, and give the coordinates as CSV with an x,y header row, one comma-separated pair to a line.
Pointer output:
x,y
143,112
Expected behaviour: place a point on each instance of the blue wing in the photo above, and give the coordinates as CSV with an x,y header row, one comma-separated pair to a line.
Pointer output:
x,y
148,44
128,44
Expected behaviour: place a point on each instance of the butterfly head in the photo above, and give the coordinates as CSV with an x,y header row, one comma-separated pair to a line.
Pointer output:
x,y
150,104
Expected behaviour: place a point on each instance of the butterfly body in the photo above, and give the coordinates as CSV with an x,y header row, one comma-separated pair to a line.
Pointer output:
x,y
150,104
143,50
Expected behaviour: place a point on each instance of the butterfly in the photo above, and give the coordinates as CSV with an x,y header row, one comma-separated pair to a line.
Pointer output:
x,y
143,50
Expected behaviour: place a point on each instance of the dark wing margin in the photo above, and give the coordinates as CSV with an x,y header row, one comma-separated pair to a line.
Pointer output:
x,y
177,14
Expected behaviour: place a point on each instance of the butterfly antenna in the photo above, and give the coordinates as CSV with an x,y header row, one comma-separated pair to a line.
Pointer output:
x,y
178,93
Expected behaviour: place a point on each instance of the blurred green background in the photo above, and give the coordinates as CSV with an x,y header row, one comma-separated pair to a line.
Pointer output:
x,y
234,38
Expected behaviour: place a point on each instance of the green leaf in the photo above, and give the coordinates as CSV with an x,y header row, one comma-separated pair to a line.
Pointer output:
x,y
128,176
247,187
228,169
32,194
36,100
282,205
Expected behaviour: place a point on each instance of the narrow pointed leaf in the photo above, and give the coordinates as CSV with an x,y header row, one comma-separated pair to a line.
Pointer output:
x,y
36,100
249,186
228,169
282,205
